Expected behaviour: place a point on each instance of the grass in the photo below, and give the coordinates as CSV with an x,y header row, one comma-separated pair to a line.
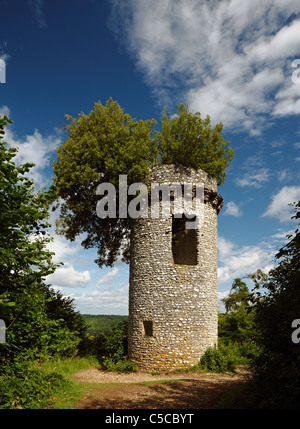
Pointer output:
x,y
73,390
68,367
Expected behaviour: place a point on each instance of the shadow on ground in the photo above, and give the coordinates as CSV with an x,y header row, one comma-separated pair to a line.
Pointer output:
x,y
179,394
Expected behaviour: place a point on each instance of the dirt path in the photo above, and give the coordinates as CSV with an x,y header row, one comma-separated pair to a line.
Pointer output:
x,y
193,390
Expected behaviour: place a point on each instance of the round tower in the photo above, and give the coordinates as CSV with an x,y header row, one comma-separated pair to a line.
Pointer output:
x,y
173,309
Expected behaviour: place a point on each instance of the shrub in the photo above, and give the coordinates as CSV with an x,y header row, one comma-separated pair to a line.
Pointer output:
x,y
217,360
122,365
23,386
112,349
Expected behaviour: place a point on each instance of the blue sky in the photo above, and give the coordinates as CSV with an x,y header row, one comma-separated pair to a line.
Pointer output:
x,y
231,59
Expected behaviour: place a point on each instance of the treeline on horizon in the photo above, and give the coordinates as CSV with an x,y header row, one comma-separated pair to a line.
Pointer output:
x,y
97,323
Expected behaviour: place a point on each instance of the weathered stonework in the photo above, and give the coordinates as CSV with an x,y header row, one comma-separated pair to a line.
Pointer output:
x,y
173,310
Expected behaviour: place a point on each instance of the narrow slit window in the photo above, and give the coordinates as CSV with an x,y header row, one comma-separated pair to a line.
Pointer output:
x,y
148,328
184,242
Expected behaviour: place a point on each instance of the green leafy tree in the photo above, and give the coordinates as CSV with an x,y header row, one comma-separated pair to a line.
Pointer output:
x,y
32,329
23,214
238,295
111,348
277,369
24,261
236,332
189,140
40,323
71,323
108,143
237,327
100,147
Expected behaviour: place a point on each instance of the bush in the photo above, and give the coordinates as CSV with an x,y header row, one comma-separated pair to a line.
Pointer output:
x,y
122,365
40,322
276,371
217,360
23,386
112,349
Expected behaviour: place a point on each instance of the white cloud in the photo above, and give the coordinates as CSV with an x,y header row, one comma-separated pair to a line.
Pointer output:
x,y
237,262
279,207
112,300
254,180
108,277
33,148
232,209
62,248
226,58
225,248
221,295
4,110
281,235
36,149
67,276
284,175
282,44
287,99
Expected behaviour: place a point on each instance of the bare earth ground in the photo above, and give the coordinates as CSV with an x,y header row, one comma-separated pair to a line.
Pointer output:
x,y
192,390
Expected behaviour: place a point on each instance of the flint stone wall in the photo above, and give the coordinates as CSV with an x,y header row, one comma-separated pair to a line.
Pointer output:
x,y
173,310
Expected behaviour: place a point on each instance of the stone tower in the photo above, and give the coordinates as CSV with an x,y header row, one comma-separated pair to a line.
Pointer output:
x,y
173,310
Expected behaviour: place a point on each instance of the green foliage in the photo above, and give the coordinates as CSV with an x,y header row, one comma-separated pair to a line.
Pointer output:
x,y
73,328
189,140
36,385
24,261
217,360
237,327
238,296
24,386
277,368
108,143
40,323
66,367
100,147
102,322
115,342
123,365
112,349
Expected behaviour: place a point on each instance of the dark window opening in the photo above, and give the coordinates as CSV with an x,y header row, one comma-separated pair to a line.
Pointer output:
x,y
148,328
184,242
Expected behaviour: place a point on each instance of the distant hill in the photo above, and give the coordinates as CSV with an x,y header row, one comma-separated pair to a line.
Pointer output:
x,y
102,322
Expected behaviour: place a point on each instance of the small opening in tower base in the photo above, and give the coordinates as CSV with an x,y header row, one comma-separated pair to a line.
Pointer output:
x,y
148,328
